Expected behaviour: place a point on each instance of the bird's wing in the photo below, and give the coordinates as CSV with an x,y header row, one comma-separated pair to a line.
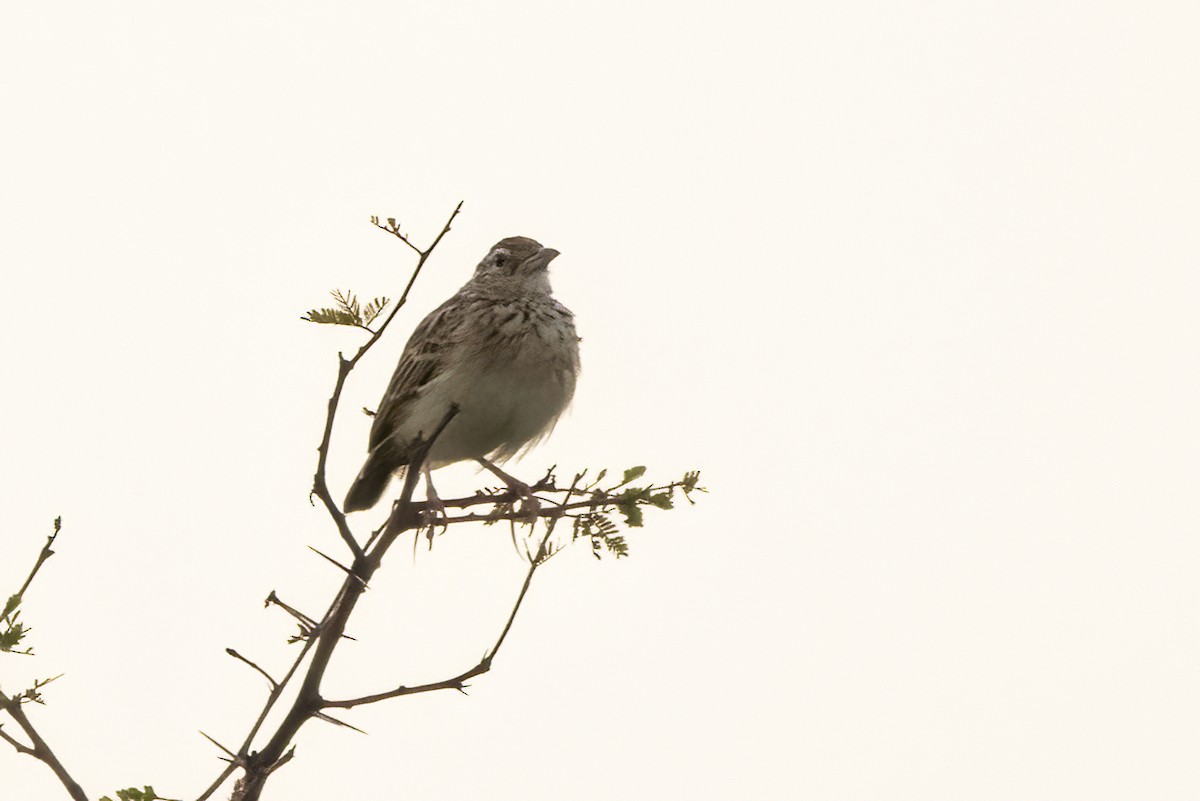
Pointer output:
x,y
423,359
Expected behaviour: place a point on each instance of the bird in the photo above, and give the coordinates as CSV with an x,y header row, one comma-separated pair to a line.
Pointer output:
x,y
502,350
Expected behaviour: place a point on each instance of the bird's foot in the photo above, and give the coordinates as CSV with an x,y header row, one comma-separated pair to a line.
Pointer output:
x,y
531,505
434,513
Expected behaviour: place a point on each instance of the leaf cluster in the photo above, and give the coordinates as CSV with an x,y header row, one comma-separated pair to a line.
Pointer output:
x,y
12,630
34,693
349,311
626,499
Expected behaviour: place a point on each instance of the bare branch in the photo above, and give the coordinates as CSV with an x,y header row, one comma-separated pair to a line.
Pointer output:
x,y
455,683
46,553
40,750
320,486
423,256
264,673
244,749
15,743
306,621
393,228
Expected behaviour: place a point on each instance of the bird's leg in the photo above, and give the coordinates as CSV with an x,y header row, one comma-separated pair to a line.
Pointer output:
x,y
530,505
435,510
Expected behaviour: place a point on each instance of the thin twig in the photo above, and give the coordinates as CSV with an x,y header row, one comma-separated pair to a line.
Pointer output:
x,y
244,749
265,674
46,553
308,622
394,229
423,256
320,486
15,743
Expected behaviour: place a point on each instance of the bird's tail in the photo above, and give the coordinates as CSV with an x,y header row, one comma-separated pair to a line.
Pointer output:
x,y
372,480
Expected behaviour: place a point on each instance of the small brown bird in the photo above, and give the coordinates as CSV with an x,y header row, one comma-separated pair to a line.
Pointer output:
x,y
503,349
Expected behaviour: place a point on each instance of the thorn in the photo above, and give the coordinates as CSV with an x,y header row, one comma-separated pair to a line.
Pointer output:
x,y
232,755
283,760
335,721
339,565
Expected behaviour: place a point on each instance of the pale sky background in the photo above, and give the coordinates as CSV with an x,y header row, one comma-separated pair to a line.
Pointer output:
x,y
915,285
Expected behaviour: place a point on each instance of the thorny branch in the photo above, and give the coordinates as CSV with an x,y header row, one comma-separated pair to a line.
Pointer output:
x,y
321,638
502,500
259,765
325,635
320,486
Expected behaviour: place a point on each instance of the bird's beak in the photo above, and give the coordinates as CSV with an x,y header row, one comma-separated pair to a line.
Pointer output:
x,y
542,258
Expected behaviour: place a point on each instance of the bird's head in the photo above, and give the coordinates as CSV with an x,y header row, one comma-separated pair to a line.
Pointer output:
x,y
517,257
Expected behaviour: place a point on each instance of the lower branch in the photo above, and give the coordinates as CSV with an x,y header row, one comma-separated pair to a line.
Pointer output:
x,y
329,633
40,749
484,665
12,631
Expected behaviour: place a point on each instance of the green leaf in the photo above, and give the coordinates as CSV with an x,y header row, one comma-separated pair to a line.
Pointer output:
x,y
134,794
633,474
662,500
372,309
330,317
12,637
617,546
11,605
349,311
632,513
